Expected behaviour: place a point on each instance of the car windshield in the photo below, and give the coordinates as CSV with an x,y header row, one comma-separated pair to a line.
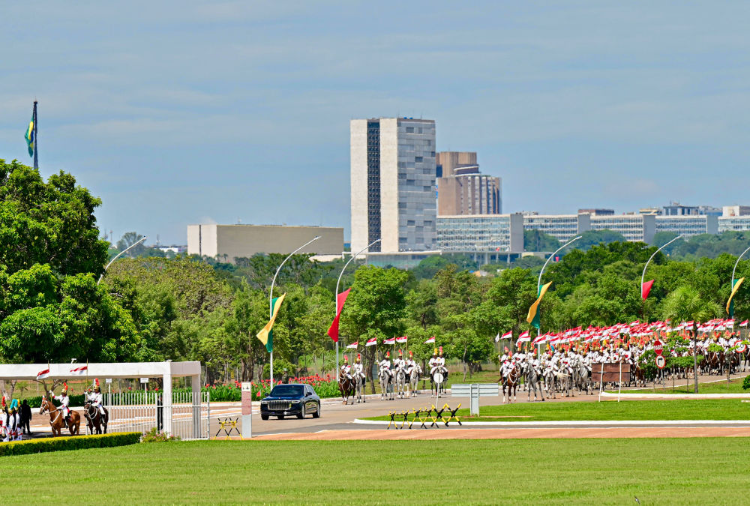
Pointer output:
x,y
287,391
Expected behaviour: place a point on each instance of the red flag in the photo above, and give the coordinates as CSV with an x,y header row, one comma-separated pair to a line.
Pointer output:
x,y
333,330
646,289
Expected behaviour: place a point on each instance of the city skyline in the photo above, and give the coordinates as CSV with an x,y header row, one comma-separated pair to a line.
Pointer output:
x,y
577,106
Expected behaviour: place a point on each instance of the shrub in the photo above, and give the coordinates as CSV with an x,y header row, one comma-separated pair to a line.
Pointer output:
x,y
746,383
69,443
154,436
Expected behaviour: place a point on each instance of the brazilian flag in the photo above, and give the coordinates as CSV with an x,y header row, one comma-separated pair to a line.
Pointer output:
x,y
730,303
533,317
30,136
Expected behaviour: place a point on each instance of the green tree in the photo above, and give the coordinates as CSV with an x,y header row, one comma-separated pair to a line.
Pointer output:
x,y
686,304
376,307
536,240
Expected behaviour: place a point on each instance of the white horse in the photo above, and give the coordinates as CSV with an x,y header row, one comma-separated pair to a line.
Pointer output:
x,y
532,379
438,382
401,386
359,387
416,372
386,382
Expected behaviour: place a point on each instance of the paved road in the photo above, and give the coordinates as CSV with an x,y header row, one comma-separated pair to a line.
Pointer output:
x,y
336,416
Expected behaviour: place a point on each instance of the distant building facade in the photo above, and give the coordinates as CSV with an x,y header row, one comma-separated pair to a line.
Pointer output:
x,y
462,190
562,227
634,227
227,242
688,225
729,211
480,233
734,223
597,212
393,176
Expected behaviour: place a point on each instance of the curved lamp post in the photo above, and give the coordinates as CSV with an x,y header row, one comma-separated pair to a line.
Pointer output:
x,y
643,276
539,283
273,282
337,295
136,243
735,266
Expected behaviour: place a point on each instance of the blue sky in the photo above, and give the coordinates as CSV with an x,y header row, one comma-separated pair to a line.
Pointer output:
x,y
186,112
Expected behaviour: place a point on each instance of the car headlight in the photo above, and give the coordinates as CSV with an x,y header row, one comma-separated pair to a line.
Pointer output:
x,y
264,402
296,402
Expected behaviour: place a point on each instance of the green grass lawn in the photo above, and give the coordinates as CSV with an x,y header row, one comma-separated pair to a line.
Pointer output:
x,y
719,387
722,409
578,471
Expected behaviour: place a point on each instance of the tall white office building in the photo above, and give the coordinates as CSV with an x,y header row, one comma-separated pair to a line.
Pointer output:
x,y
393,184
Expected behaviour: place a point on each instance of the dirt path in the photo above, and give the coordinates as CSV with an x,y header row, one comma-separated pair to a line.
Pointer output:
x,y
557,433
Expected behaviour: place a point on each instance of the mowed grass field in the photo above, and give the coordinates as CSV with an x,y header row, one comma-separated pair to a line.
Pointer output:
x,y
582,471
720,409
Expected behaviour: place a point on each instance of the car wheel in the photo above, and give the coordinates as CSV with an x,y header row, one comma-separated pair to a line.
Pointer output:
x,y
264,417
317,412
280,417
302,413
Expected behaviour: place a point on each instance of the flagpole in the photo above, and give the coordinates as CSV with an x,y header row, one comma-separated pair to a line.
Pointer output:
x,y
336,295
36,140
270,295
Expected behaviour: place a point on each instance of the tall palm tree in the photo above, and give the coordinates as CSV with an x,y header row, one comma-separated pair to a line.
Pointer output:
x,y
686,304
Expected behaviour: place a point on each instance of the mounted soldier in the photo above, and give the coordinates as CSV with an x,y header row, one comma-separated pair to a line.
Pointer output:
x,y
64,403
346,369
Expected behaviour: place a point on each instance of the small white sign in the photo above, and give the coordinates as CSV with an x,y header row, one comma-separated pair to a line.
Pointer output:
x,y
144,380
109,380
247,386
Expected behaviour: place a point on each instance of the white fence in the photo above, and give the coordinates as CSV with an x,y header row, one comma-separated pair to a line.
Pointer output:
x,y
189,413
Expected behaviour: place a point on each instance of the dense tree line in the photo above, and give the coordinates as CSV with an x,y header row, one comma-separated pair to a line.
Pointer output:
x,y
186,308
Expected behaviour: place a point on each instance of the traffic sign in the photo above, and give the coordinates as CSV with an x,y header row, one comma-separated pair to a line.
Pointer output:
x,y
661,362
658,348
741,348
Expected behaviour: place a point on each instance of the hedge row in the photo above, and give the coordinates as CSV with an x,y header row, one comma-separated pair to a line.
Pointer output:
x,y
69,443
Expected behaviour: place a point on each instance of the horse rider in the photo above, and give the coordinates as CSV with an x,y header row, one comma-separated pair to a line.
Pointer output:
x,y
433,362
346,369
64,403
410,364
96,398
441,364
385,365
359,370
400,363
507,366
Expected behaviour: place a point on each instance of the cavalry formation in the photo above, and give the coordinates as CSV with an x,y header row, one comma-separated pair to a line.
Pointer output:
x,y
61,417
397,379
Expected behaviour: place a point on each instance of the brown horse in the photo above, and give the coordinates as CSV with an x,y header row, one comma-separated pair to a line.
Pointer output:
x,y
511,383
347,387
56,418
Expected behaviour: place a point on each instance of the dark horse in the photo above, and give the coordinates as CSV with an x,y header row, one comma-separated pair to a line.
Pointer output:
x,y
94,419
347,387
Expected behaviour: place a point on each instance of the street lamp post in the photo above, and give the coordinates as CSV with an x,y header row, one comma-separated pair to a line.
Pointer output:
x,y
643,276
273,282
136,243
337,295
731,286
539,282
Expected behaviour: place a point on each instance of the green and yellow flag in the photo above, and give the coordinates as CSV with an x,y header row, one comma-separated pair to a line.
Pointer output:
x,y
266,333
533,317
30,136
730,302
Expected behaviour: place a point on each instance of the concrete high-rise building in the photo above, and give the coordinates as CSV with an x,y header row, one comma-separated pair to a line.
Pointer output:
x,y
393,184
462,190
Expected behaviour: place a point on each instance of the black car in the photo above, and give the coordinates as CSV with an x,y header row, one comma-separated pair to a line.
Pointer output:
x,y
291,399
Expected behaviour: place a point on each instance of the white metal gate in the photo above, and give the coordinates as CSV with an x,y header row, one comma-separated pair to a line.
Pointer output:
x,y
142,411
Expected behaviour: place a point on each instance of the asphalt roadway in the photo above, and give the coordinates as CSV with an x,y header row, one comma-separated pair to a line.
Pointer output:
x,y
338,418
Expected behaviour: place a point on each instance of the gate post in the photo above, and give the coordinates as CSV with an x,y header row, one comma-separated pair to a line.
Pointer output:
x,y
195,384
168,399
